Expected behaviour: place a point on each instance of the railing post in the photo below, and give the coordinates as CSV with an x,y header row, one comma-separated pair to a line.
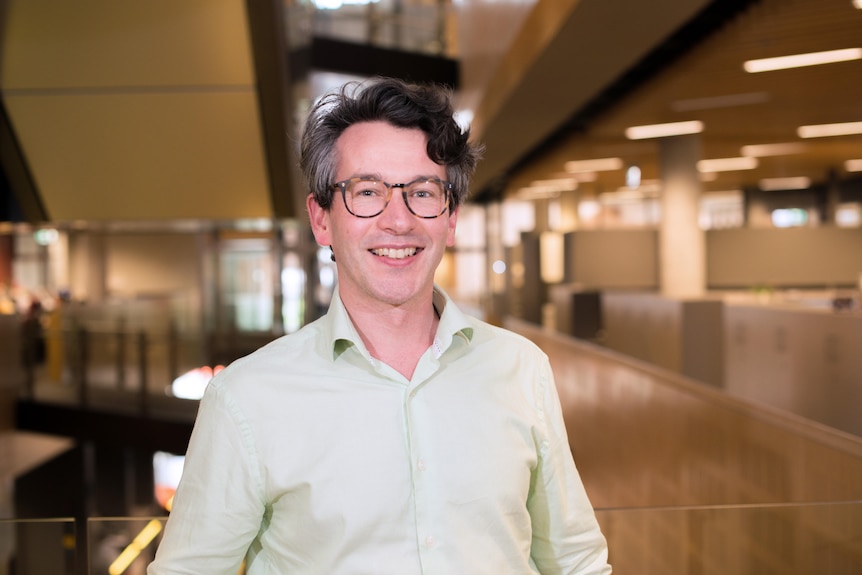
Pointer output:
x,y
142,372
121,353
173,352
83,352
29,365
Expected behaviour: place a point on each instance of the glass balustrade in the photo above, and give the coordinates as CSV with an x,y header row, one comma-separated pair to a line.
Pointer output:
x,y
823,538
782,539
39,547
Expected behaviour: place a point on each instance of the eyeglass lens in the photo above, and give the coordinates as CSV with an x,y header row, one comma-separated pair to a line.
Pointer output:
x,y
426,198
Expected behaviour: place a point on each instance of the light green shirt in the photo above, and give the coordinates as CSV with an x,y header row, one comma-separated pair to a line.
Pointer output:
x,y
309,456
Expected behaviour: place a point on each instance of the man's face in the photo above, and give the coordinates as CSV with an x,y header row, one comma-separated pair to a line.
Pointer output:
x,y
390,258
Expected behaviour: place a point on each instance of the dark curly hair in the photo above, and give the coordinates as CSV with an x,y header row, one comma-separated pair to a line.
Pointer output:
x,y
401,104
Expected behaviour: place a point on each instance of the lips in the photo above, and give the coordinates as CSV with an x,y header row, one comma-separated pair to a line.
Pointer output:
x,y
395,253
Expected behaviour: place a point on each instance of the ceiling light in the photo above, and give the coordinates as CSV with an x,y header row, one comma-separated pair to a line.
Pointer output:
x,y
535,193
713,102
548,188
800,60
652,189
727,164
763,150
464,118
857,4
597,165
621,196
664,130
562,184
771,184
721,196
633,176
825,130
586,176
853,165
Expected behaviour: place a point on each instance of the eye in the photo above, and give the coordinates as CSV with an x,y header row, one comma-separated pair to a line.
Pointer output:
x,y
367,189
425,190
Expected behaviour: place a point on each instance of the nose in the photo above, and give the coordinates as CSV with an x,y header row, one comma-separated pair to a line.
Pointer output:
x,y
396,215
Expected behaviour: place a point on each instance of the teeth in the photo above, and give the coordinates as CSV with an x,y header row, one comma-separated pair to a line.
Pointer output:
x,y
397,254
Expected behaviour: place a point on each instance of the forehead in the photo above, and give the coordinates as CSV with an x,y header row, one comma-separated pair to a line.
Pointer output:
x,y
384,150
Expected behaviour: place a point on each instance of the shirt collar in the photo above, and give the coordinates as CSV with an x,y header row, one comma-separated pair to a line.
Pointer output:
x,y
340,333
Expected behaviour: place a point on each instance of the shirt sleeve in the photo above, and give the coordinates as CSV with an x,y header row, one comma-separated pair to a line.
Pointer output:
x,y
567,539
218,507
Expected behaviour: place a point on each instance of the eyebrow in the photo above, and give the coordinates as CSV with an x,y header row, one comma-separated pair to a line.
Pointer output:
x,y
378,177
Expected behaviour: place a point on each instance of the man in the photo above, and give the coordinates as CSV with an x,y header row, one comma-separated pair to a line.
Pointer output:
x,y
395,435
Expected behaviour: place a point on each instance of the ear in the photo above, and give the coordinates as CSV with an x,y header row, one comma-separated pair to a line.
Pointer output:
x,y
320,221
453,219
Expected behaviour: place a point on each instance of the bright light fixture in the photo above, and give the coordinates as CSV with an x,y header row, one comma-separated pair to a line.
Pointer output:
x,y
826,130
727,164
464,118
596,165
664,130
621,196
336,4
564,184
848,215
533,193
585,176
857,4
726,101
548,188
633,176
789,217
772,184
800,60
853,165
644,189
763,150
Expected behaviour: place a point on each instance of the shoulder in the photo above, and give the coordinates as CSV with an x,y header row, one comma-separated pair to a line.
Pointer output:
x,y
286,357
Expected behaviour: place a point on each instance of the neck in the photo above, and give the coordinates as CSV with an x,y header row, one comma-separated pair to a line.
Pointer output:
x,y
396,335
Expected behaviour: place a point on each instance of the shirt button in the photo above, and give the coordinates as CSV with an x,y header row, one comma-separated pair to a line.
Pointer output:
x,y
421,465
430,542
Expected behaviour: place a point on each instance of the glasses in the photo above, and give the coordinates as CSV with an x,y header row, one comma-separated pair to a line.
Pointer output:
x,y
368,197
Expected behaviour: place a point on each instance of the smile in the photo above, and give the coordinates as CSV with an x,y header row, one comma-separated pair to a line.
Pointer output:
x,y
395,253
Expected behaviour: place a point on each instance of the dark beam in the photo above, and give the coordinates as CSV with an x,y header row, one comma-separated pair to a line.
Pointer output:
x,y
269,50
368,60
17,175
103,427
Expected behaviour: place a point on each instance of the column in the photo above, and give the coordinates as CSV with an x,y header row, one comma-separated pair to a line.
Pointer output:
x,y
682,268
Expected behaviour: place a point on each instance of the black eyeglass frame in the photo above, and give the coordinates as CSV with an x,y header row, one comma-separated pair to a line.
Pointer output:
x,y
447,189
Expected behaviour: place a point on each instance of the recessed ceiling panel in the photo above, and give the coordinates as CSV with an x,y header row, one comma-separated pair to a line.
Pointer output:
x,y
56,44
152,156
136,110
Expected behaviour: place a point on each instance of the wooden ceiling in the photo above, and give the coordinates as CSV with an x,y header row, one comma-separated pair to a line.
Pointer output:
x,y
708,83
160,111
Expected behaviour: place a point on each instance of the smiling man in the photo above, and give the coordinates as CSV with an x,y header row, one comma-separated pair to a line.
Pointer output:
x,y
395,435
